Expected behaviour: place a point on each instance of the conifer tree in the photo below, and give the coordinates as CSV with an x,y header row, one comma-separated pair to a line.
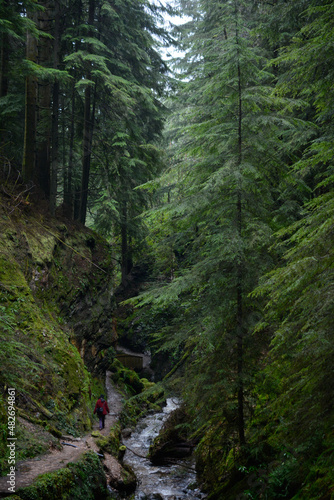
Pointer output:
x,y
30,131
41,107
299,290
14,25
219,218
129,124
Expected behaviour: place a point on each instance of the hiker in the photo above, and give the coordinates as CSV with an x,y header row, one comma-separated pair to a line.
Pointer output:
x,y
101,409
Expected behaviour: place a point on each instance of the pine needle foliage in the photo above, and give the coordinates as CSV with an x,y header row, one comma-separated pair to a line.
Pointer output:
x,y
217,223
300,291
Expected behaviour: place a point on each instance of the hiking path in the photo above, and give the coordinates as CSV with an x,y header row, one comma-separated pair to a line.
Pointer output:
x,y
28,470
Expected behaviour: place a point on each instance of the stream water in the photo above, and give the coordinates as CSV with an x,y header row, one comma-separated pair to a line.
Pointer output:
x,y
158,482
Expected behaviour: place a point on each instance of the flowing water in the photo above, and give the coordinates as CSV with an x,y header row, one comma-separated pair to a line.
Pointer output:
x,y
158,482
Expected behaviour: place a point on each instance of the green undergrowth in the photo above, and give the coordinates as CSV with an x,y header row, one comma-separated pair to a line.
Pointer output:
x,y
35,437
320,478
111,442
136,407
83,479
263,469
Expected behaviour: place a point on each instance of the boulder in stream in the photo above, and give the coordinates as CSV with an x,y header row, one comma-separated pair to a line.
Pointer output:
x,y
172,442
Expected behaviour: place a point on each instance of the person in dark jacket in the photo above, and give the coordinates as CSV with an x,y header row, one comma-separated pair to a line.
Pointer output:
x,y
101,409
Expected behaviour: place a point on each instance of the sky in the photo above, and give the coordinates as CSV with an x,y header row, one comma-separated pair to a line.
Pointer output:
x,y
171,51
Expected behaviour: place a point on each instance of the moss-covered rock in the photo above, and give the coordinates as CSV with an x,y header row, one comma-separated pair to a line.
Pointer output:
x,y
173,440
84,479
129,480
121,452
37,359
128,379
96,434
215,470
124,481
138,406
110,443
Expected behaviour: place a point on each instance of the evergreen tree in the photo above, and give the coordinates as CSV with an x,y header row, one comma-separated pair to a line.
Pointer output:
x,y
14,24
300,299
129,125
110,54
219,220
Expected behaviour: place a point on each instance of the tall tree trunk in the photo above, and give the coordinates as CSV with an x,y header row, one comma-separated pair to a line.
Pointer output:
x,y
43,137
4,66
240,333
29,157
68,188
124,242
43,146
55,148
4,61
76,203
55,113
86,156
87,132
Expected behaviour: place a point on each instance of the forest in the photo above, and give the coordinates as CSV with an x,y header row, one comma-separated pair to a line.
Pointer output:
x,y
209,174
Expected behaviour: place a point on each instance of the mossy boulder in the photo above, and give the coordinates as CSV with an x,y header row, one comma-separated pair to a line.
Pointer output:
x,y
84,479
129,479
173,440
140,405
127,482
121,452
127,378
147,384
110,443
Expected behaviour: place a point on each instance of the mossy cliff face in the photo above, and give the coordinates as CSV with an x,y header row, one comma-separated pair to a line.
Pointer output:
x,y
55,310
68,269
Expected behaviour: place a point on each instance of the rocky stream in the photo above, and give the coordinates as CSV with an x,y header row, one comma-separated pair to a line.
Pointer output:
x,y
163,482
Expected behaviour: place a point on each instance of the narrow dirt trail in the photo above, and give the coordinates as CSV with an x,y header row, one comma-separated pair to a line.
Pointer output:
x,y
28,470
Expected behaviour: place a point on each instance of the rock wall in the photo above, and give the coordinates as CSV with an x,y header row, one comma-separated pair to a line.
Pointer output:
x,y
56,300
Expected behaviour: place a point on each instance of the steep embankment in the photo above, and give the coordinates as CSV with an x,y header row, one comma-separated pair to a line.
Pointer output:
x,y
55,304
